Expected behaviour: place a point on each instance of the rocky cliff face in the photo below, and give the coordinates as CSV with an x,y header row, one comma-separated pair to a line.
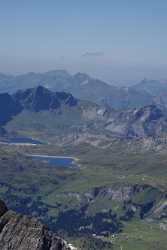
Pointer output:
x,y
40,98
82,121
8,108
18,232
143,122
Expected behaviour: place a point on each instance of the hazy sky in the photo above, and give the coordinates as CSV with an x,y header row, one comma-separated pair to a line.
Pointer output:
x,y
117,40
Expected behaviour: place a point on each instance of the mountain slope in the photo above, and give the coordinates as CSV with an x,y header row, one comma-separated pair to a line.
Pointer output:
x,y
18,232
152,87
84,87
61,117
80,85
40,98
58,79
143,122
9,107
111,188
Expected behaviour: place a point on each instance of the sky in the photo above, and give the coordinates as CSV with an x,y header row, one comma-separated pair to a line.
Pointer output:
x,y
120,41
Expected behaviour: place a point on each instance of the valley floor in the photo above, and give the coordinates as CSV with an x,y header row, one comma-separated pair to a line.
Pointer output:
x,y
114,199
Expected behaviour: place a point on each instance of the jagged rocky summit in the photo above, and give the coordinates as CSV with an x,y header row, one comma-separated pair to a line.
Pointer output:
x,y
20,232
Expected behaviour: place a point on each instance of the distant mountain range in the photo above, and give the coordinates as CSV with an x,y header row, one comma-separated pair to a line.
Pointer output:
x,y
84,87
61,116
35,99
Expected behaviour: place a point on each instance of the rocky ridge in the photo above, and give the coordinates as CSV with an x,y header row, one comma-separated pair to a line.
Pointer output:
x,y
20,232
82,121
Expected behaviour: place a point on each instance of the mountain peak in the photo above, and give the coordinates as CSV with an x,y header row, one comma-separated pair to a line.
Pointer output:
x,y
80,77
23,232
40,90
40,98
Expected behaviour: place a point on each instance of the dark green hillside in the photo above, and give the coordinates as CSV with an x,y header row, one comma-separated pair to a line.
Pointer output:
x,y
111,192
116,197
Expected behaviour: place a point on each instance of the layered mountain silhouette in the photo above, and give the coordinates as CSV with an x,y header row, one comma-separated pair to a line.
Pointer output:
x,y
82,86
36,99
40,98
68,113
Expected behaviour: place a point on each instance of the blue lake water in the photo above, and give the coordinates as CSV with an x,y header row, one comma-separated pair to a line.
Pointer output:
x,y
22,140
57,161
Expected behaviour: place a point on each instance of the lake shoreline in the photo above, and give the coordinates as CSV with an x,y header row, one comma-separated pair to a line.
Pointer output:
x,y
55,160
52,156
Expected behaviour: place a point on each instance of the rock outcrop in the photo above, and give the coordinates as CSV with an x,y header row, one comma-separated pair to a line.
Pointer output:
x,y
40,98
9,107
83,121
20,232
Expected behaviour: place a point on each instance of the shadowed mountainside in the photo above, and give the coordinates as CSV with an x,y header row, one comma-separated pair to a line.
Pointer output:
x,y
39,110
18,232
146,92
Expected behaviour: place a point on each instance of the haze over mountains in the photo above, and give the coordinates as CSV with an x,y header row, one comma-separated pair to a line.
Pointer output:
x,y
116,135
44,112
84,87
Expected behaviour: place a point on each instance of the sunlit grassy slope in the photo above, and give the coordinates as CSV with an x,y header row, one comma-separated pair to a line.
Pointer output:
x,y
38,189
